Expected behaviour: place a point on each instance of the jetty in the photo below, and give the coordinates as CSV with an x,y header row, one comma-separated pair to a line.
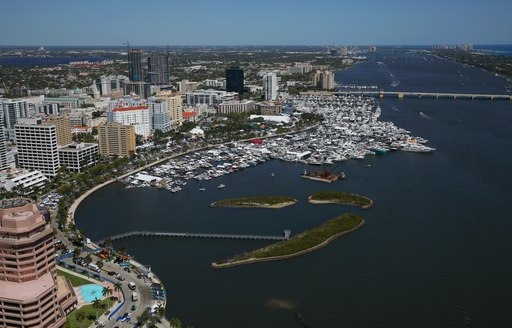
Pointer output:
x,y
285,236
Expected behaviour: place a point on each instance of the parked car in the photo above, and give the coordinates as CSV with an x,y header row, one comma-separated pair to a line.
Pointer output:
x,y
111,273
127,269
120,277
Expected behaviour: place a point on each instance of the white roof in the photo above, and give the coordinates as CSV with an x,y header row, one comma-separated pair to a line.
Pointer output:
x,y
147,178
273,118
196,130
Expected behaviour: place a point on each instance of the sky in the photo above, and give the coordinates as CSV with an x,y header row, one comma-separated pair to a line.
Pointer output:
x,y
261,22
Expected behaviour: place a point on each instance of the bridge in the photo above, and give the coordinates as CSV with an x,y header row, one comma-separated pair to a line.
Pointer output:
x,y
131,234
410,94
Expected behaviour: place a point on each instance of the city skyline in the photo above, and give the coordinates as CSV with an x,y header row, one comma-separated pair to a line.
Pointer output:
x,y
396,22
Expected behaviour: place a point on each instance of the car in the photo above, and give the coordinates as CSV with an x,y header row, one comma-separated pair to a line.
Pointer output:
x,y
127,269
100,325
134,307
111,273
120,277
139,276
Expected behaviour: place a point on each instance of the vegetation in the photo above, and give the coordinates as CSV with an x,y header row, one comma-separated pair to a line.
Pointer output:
x,y
254,201
341,197
492,63
304,241
75,281
86,315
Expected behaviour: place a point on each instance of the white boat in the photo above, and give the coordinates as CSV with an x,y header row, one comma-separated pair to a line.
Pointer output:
x,y
202,189
221,186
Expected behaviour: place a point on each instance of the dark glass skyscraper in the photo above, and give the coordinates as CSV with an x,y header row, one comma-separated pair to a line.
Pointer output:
x,y
158,70
235,80
135,65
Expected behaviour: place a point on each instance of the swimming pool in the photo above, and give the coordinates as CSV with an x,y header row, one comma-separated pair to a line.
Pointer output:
x,y
91,292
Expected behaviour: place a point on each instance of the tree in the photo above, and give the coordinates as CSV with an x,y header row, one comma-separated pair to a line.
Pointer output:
x,y
96,303
99,263
175,323
76,253
88,258
80,317
107,292
118,286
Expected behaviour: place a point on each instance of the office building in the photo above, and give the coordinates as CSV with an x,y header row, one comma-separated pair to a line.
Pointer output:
x,y
174,104
111,85
158,70
135,65
63,128
31,293
78,156
270,86
235,80
141,89
209,97
13,110
235,106
116,139
3,149
37,146
185,86
140,117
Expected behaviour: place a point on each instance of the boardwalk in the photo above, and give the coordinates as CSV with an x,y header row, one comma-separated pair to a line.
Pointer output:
x,y
411,94
285,236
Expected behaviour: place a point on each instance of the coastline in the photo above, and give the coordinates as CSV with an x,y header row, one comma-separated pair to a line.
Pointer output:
x,y
337,202
326,242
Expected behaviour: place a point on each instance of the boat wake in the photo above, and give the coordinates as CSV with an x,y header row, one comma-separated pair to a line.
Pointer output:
x,y
426,116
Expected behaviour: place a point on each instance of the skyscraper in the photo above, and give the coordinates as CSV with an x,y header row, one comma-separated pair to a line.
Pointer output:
x,y
135,65
13,109
3,148
270,86
235,80
32,295
63,128
158,70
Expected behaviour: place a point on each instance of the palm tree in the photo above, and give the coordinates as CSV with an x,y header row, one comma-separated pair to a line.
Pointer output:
x,y
118,286
96,303
80,317
107,291
175,323
160,311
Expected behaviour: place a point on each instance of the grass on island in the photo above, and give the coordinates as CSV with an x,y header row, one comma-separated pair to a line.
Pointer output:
x,y
75,281
342,198
89,312
305,240
255,201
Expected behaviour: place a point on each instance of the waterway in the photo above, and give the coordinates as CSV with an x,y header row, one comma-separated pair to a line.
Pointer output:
x,y
435,251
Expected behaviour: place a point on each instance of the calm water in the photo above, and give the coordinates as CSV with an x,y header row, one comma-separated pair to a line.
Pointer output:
x,y
435,251
44,61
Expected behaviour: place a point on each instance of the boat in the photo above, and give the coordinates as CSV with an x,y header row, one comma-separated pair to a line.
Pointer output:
x,y
221,186
323,176
202,189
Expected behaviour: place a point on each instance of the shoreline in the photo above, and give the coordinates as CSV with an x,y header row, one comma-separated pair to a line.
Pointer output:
x,y
326,242
254,205
338,202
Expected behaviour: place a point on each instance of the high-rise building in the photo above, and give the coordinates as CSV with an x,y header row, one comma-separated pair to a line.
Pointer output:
x,y
235,106
112,85
116,139
324,80
13,110
161,116
3,148
235,80
140,117
135,65
174,104
32,295
270,86
158,70
37,146
78,156
63,128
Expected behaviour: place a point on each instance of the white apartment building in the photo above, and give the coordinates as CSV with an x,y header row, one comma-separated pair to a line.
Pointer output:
x,y
139,117
37,146
235,106
270,86
77,156
174,104
161,116
12,111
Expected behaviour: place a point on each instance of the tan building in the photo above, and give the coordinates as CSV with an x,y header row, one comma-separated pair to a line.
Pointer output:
x,y
324,80
116,139
31,294
174,103
63,129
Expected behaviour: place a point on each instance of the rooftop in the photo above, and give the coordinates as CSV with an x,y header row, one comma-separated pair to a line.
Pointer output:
x,y
28,290
124,109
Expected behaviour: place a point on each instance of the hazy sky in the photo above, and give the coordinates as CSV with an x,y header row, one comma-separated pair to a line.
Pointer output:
x,y
262,22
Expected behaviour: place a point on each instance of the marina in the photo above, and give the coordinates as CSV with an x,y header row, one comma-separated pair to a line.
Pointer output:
x,y
350,130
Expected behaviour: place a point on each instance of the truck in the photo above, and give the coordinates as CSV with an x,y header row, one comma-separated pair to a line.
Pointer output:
x,y
131,285
135,297
94,267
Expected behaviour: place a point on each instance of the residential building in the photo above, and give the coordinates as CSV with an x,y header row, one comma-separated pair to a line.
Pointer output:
x,y
140,117
135,65
235,106
116,139
32,295
161,115
66,102
47,109
26,180
324,80
209,97
3,149
270,86
220,83
63,128
270,108
13,110
185,86
158,70
78,156
190,116
37,146
299,68
174,104
235,80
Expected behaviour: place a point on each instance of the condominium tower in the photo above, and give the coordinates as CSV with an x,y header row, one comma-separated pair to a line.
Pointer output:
x,y
116,139
135,65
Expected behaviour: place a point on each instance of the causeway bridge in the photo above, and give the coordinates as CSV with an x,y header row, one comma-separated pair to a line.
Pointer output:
x,y
410,94
285,236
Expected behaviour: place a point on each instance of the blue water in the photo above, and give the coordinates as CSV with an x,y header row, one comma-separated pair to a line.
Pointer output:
x,y
91,292
44,61
501,49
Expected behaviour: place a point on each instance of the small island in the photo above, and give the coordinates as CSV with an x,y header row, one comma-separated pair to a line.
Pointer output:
x,y
340,197
256,202
306,242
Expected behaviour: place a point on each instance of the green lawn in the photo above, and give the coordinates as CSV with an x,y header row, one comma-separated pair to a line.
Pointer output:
x,y
90,315
75,281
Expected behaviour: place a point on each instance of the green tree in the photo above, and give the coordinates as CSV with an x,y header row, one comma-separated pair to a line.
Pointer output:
x,y
80,317
107,292
175,322
118,286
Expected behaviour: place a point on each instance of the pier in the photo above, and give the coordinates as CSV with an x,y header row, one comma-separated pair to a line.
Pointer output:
x,y
410,94
131,234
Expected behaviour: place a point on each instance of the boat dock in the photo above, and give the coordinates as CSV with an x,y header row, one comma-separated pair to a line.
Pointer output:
x,y
131,234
